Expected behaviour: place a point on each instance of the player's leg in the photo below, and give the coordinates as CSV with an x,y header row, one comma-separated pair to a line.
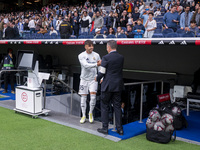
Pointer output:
x,y
83,91
93,90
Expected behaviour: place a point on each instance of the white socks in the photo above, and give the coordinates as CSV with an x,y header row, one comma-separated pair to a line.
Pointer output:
x,y
83,104
92,102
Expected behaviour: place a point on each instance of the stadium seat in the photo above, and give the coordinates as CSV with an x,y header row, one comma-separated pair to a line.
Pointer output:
x,y
111,36
81,37
124,28
157,35
47,36
39,36
115,30
167,31
92,32
103,29
84,33
168,35
122,36
99,37
159,20
53,36
189,34
198,35
158,31
72,37
180,32
159,26
89,37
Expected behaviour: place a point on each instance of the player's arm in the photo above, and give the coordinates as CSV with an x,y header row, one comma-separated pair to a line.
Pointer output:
x,y
102,70
85,64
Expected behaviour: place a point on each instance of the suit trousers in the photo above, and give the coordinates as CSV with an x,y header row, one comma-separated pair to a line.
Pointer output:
x,y
115,99
9,76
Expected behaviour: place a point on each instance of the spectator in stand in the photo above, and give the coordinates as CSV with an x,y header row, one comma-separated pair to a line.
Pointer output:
x,y
119,31
185,18
184,3
130,20
168,6
26,28
38,23
6,19
193,27
9,32
58,23
85,22
171,19
20,26
1,27
65,29
116,21
52,22
196,17
150,26
95,9
144,15
98,20
157,5
137,4
192,8
129,32
151,7
109,20
53,31
76,24
180,10
157,13
16,30
42,31
118,10
129,6
97,33
139,27
141,7
135,14
123,19
90,13
113,7
103,9
31,25
110,31
4,29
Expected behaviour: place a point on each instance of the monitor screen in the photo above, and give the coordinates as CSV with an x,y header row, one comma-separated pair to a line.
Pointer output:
x,y
26,60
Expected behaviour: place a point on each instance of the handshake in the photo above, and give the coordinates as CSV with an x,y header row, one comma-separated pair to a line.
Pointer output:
x,y
99,63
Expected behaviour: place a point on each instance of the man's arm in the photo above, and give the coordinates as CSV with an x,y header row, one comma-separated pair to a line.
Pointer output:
x,y
102,70
85,64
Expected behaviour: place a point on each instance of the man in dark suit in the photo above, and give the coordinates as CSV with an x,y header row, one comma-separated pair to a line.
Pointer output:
x,y
111,87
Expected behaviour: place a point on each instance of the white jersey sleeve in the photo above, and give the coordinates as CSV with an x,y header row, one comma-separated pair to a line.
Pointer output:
x,y
84,63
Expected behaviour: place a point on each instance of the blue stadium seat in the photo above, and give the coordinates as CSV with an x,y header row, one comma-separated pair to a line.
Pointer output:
x,y
89,36
198,35
115,30
92,32
157,35
158,31
189,34
124,28
39,36
81,37
168,35
53,36
159,20
99,37
103,29
84,33
72,37
122,36
168,31
159,26
47,36
111,36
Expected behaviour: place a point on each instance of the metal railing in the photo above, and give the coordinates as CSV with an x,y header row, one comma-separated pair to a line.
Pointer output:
x,y
141,94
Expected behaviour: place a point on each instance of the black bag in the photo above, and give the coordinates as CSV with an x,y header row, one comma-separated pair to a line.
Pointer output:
x,y
158,136
161,136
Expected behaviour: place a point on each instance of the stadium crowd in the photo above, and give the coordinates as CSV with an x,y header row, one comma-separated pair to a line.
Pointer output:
x,y
125,19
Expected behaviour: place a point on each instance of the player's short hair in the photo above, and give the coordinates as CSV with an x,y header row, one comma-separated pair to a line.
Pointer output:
x,y
112,44
88,42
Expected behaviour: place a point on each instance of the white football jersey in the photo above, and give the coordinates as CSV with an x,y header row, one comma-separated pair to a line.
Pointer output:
x,y
88,65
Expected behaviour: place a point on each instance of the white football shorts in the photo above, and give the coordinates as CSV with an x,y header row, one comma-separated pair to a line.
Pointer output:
x,y
86,86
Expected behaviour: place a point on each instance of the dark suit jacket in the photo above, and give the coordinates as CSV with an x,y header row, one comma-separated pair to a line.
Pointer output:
x,y
9,33
112,78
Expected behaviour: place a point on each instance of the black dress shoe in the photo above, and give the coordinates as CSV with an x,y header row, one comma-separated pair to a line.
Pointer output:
x,y
120,132
103,130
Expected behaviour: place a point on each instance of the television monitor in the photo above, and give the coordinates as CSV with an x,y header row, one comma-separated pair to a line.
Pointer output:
x,y
26,60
